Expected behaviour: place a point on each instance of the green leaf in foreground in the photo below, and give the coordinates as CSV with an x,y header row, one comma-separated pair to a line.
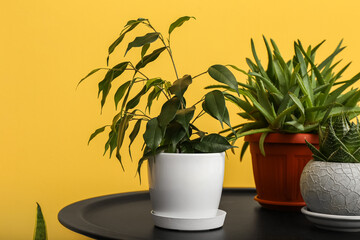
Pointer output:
x,y
178,23
214,104
212,143
120,92
168,111
134,133
40,228
179,86
153,134
97,131
221,74
149,58
143,40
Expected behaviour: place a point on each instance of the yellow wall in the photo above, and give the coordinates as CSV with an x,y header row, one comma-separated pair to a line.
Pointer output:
x,y
47,46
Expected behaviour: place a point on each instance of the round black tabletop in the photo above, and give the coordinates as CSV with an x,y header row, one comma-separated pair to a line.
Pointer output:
x,y
127,216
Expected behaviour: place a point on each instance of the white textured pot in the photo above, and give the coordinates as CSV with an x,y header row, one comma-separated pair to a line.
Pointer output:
x,y
184,185
331,187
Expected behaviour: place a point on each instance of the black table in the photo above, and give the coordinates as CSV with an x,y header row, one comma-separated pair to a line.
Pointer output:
x,y
127,216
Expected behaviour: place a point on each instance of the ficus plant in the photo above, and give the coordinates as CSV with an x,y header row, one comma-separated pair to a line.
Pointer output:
x,y
290,96
174,129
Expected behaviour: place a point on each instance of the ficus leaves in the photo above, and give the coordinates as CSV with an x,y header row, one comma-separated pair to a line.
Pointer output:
x,y
173,129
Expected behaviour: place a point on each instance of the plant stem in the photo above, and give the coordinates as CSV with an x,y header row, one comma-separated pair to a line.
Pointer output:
x,y
202,112
199,75
167,47
202,99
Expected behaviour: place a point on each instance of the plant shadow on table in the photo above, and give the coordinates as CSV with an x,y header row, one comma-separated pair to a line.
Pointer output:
x,y
292,225
163,234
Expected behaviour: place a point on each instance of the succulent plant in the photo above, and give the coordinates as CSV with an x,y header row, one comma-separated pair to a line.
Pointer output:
x,y
293,96
340,142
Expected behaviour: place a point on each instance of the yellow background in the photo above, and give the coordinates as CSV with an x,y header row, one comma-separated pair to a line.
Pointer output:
x,y
46,47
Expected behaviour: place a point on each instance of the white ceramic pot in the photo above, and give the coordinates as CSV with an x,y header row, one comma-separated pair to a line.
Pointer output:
x,y
331,187
184,185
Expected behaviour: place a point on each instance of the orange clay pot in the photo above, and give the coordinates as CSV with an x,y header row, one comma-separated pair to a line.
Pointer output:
x,y
277,175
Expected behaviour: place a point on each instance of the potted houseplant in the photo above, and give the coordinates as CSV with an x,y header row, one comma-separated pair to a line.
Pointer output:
x,y
284,105
186,164
330,183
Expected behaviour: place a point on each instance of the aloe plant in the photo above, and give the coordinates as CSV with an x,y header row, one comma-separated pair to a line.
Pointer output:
x,y
172,130
40,227
292,96
340,142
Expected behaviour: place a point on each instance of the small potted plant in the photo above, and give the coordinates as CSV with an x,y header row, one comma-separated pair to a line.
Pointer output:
x,y
186,164
330,183
284,105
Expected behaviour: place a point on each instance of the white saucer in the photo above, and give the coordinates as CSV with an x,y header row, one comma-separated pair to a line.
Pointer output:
x,y
333,222
185,224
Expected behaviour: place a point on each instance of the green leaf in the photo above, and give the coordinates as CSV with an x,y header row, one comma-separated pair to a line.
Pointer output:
x,y
221,74
296,124
268,115
243,150
179,22
105,84
128,27
135,100
97,131
270,69
316,70
214,105
168,111
260,67
212,143
298,104
120,93
111,142
315,151
89,74
123,125
144,50
143,40
331,141
149,58
267,82
342,155
154,94
173,135
253,131
334,95
330,58
153,134
353,99
261,142
184,116
247,107
304,77
153,82
134,134
180,86
352,139
40,228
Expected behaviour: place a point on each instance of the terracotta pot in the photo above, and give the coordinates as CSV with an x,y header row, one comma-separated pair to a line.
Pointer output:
x,y
277,175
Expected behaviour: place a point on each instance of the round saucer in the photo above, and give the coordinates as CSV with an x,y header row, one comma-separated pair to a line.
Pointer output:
x,y
186,224
333,222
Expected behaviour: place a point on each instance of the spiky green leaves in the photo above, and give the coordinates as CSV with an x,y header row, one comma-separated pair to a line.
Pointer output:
x,y
294,95
40,228
339,143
